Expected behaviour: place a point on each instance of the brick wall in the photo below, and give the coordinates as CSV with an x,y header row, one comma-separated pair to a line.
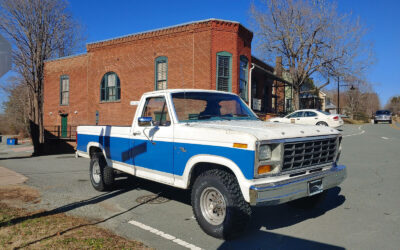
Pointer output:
x,y
76,69
191,52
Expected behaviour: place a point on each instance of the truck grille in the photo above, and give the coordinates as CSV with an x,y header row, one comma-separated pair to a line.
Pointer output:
x,y
305,154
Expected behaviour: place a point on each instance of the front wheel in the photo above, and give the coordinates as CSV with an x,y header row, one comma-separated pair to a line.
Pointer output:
x,y
218,204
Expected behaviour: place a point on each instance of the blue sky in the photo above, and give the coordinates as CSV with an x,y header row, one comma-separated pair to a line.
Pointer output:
x,y
107,19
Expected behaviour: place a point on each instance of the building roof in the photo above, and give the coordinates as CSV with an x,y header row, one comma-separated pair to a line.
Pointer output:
x,y
330,106
65,57
148,32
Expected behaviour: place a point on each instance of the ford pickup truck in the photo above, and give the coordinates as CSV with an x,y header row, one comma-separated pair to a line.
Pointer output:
x,y
212,143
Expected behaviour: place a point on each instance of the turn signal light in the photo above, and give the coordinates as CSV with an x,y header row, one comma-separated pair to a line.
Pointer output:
x,y
239,145
264,169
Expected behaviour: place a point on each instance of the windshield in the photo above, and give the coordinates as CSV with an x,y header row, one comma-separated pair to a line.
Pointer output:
x,y
383,112
206,106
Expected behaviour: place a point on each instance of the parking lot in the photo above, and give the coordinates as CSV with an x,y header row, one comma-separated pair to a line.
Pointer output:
x,y
363,213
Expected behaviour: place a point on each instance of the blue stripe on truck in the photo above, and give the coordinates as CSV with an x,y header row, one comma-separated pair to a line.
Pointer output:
x,y
165,156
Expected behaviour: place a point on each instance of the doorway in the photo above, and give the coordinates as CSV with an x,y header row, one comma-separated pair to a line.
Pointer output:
x,y
64,126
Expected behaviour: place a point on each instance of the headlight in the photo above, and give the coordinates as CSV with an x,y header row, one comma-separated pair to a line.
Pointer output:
x,y
264,153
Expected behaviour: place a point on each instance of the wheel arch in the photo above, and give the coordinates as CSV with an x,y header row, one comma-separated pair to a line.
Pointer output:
x,y
95,147
199,163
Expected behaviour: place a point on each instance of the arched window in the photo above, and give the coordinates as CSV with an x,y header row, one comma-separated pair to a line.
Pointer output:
x,y
224,71
243,78
110,88
161,73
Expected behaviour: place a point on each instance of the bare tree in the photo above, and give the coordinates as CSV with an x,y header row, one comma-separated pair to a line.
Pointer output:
x,y
39,30
394,105
313,40
16,109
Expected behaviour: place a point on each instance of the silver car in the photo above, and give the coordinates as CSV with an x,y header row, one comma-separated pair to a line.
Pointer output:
x,y
383,116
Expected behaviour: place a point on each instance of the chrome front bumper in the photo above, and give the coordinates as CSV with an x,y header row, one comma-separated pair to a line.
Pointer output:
x,y
284,191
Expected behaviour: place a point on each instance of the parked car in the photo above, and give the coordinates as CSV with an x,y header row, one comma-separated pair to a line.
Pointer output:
x,y
311,117
383,116
212,143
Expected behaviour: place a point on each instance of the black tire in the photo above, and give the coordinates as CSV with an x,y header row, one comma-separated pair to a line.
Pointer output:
x,y
103,179
390,122
375,122
310,202
237,210
322,124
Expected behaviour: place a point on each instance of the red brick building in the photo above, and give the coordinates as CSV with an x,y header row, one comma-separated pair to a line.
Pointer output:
x,y
97,87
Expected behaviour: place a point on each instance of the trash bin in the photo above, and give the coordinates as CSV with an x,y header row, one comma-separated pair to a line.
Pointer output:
x,y
12,141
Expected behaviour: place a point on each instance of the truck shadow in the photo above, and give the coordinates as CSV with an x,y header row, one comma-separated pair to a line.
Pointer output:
x,y
269,217
269,240
280,216
286,215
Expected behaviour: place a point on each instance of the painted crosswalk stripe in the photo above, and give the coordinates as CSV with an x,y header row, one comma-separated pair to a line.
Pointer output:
x,y
164,235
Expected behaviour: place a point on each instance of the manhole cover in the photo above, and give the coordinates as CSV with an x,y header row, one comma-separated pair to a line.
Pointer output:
x,y
151,199
65,157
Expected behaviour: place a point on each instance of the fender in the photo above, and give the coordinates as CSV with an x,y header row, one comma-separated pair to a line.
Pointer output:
x,y
183,181
98,145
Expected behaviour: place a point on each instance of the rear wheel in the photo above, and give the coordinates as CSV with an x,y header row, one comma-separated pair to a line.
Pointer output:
x,y
322,124
101,176
218,204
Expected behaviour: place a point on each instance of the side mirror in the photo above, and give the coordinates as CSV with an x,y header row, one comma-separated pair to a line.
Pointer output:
x,y
145,121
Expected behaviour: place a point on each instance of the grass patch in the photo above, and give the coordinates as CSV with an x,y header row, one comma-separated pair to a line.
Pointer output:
x,y
20,228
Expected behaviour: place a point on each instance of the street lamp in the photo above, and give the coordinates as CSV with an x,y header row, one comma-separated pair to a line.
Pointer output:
x,y
338,93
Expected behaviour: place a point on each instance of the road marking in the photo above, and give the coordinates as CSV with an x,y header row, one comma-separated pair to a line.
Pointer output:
x,y
360,133
385,138
164,235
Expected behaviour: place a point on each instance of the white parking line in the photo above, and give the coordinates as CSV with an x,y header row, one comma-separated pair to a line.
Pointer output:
x,y
360,133
164,235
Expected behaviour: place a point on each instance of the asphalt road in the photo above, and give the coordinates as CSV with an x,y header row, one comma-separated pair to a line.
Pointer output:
x,y
363,213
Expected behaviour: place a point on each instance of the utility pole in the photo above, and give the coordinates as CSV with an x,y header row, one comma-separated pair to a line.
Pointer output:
x,y
338,98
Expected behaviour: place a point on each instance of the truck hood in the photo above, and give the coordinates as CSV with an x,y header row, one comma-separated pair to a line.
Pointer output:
x,y
263,130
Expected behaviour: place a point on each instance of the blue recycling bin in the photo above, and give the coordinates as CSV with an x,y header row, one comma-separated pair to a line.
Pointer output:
x,y
12,141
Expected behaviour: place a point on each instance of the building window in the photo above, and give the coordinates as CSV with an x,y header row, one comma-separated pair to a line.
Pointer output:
x,y
224,71
64,90
243,78
110,88
161,72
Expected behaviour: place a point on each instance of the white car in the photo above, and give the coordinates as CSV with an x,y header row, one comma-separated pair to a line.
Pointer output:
x,y
311,117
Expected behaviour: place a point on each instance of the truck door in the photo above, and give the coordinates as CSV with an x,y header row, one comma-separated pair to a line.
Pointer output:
x,y
153,143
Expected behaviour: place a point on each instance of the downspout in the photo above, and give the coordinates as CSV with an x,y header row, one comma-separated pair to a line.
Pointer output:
x,y
250,100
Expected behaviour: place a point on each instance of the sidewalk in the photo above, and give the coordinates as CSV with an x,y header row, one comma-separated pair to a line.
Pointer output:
x,y
9,177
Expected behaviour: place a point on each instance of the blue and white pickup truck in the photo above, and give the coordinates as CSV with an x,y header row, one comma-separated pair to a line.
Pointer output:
x,y
212,143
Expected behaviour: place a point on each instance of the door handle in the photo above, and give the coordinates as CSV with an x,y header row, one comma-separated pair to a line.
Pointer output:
x,y
316,118
137,133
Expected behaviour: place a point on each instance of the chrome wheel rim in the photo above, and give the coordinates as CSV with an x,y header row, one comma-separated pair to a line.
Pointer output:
x,y
96,174
213,206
